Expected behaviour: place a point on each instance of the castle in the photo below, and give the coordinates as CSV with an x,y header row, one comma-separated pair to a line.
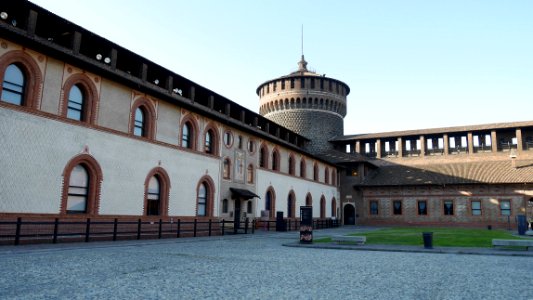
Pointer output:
x,y
90,129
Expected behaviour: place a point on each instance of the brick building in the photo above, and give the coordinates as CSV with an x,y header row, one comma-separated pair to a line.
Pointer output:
x,y
92,130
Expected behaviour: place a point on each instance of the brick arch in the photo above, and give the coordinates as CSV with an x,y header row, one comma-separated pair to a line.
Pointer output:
x,y
95,183
150,116
210,201
194,128
308,199
322,207
303,168
32,73
164,190
272,208
89,91
291,207
276,159
215,138
333,207
292,164
264,155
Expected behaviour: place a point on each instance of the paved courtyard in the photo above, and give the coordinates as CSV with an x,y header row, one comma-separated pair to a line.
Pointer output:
x,y
253,267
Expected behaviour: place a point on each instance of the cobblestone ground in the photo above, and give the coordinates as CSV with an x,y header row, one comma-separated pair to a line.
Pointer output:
x,y
253,267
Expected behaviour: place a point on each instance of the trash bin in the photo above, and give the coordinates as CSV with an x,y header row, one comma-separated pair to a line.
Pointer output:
x,y
428,240
522,224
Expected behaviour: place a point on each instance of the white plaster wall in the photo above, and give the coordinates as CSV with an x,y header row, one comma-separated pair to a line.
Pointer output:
x,y
52,86
35,151
283,184
115,106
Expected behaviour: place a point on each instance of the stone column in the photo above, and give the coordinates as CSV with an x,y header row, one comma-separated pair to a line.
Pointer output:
x,y
470,140
494,141
446,144
519,144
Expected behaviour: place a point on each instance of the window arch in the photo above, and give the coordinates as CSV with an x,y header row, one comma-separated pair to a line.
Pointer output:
x,y
142,120
188,133
270,202
13,85
326,175
303,168
156,192
14,66
291,204
315,172
250,174
275,160
211,141
263,157
291,164
79,99
333,207
308,200
226,168
322,207
334,177
205,194
82,178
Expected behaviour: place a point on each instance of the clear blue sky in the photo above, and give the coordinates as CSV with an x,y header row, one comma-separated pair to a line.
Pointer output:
x,y
410,64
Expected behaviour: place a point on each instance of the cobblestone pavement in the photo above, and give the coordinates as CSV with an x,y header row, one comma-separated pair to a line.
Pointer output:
x,y
253,267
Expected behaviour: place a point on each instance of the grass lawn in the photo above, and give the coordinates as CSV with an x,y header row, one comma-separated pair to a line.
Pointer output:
x,y
442,237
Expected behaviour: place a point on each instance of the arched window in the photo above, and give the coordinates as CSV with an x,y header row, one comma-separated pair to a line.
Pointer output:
x,y
302,168
275,160
143,119
263,157
157,188
139,128
250,175
13,85
209,147
315,172
78,190
80,99
226,169
290,205
326,175
202,199
322,207
333,208
291,165
334,177
21,79
82,179
308,200
153,196
186,135
270,202
75,105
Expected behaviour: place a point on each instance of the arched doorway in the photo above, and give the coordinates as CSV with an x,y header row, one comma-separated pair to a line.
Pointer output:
x,y
349,214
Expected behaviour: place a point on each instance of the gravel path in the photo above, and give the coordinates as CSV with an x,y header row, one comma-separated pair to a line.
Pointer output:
x,y
253,267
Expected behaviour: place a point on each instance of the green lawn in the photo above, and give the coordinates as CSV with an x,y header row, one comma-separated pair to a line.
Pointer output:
x,y
442,237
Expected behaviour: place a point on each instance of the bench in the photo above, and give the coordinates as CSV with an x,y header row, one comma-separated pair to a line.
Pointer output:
x,y
523,243
359,240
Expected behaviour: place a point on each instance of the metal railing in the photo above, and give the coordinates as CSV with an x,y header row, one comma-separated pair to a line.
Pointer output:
x,y
56,230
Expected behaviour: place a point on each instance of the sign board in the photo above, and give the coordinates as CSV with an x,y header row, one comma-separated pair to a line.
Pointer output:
x,y
306,224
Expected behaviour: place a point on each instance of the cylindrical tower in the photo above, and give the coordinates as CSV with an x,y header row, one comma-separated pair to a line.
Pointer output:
x,y
307,103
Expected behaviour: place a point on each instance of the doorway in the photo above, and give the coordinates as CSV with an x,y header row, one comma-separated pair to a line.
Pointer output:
x,y
349,214
237,214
